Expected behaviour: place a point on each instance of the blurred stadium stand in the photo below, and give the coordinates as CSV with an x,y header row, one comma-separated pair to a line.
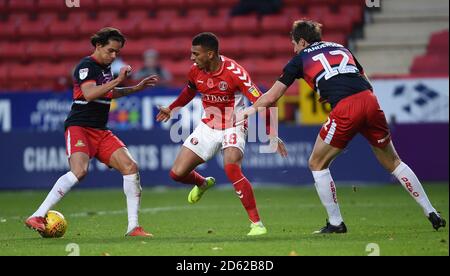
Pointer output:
x,y
36,32
400,32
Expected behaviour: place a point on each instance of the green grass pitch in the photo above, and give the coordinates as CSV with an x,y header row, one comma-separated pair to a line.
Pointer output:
x,y
217,225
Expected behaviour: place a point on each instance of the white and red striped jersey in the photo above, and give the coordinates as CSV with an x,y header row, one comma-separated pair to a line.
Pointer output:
x,y
222,92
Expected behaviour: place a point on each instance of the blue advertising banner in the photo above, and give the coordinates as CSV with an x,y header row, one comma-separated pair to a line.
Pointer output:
x,y
37,160
33,147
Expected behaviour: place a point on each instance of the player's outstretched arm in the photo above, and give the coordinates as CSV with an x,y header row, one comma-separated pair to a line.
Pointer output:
x,y
266,100
183,99
147,82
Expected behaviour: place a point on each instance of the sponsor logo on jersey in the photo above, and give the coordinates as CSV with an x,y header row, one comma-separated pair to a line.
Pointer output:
x,y
194,141
217,99
210,83
83,73
223,86
254,91
80,144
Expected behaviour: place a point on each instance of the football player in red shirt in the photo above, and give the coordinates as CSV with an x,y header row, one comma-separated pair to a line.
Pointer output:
x,y
223,84
337,76
87,135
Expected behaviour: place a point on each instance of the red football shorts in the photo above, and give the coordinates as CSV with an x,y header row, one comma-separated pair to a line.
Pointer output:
x,y
97,143
359,113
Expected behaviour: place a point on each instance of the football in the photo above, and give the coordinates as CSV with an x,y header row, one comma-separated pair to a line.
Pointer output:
x,y
56,225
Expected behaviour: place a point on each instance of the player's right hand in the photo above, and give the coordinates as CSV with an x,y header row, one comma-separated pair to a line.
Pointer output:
x,y
124,72
164,114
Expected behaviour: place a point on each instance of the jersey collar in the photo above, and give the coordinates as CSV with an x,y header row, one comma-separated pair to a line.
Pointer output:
x,y
219,72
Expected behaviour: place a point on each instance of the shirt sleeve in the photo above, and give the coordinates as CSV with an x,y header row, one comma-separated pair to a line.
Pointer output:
x,y
85,72
292,71
245,84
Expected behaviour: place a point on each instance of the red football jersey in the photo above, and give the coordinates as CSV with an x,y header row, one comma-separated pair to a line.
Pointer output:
x,y
223,92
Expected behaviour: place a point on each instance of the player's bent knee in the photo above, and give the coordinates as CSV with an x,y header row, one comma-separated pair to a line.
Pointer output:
x,y
130,167
80,173
316,165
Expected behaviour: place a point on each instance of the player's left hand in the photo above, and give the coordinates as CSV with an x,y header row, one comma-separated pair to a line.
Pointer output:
x,y
280,146
149,81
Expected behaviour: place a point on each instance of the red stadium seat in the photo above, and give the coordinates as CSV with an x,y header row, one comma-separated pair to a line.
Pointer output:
x,y
141,4
256,47
77,17
88,5
22,5
186,26
41,50
31,29
8,29
48,17
231,47
128,27
135,48
278,24
13,51
18,17
201,4
174,4
227,3
355,12
198,13
108,16
214,25
318,13
292,14
439,42
168,14
281,44
51,5
138,15
89,28
55,71
339,38
337,23
4,76
60,29
179,70
111,4
430,65
245,24
153,27
3,5
74,49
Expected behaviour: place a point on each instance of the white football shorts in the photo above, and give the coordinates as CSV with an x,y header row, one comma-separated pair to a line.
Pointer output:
x,y
206,142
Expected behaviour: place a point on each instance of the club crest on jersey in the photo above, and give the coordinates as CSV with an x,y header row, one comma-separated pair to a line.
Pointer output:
x,y
84,73
210,83
254,91
80,144
223,86
194,141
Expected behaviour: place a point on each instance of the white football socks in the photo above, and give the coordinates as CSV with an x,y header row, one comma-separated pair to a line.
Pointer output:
x,y
411,183
61,187
132,189
327,192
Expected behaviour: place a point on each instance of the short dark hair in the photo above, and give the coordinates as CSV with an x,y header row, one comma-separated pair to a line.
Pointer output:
x,y
309,30
103,36
207,40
